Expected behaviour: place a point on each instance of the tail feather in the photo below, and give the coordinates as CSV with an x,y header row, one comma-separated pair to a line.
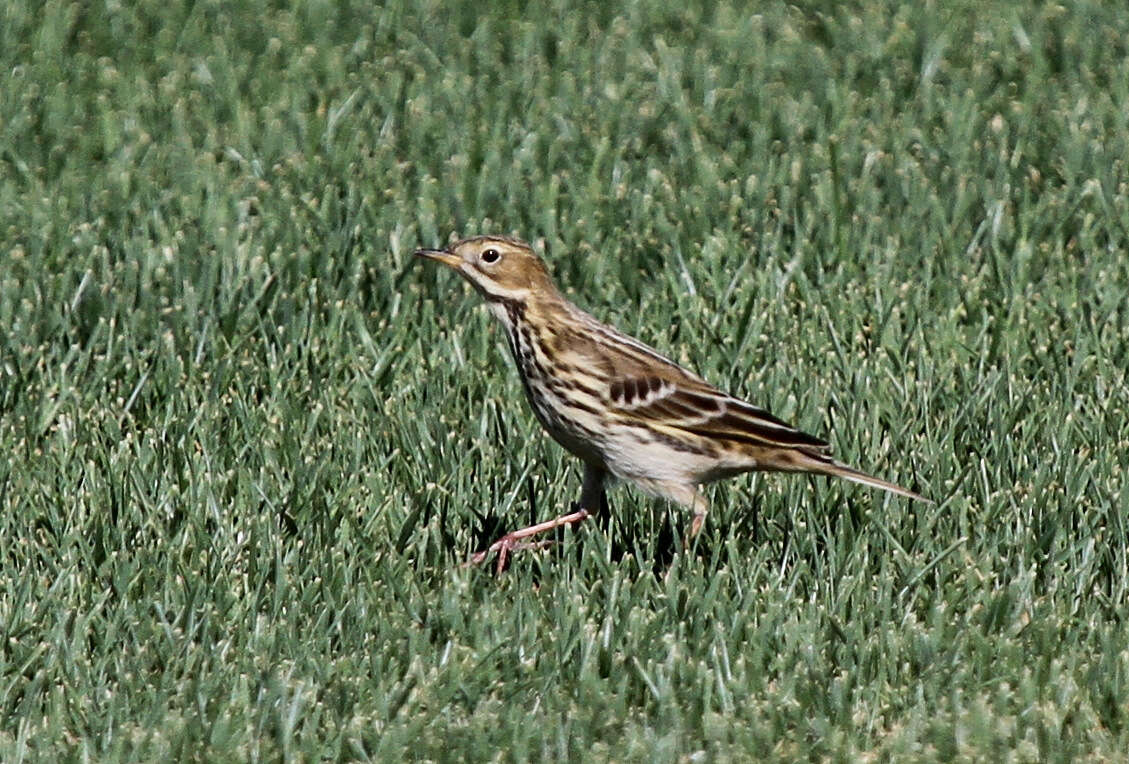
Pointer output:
x,y
827,466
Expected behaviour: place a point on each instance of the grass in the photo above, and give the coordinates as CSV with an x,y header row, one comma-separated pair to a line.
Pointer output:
x,y
247,440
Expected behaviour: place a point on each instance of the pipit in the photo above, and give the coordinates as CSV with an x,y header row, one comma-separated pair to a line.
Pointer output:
x,y
621,407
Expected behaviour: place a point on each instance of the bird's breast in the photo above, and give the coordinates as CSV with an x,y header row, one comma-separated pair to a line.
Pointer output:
x,y
568,410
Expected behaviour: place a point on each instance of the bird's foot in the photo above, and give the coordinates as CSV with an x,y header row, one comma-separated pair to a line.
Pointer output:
x,y
514,541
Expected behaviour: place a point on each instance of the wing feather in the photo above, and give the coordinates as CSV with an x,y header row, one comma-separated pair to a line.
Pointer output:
x,y
702,410
649,386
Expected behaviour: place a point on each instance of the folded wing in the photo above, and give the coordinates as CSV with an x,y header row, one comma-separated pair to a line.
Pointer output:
x,y
695,407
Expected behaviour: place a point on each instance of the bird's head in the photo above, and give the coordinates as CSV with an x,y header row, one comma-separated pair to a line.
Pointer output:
x,y
501,268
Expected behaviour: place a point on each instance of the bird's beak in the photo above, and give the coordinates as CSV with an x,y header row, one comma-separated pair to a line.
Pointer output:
x,y
442,256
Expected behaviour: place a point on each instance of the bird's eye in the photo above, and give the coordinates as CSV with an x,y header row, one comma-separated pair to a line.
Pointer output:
x,y
491,255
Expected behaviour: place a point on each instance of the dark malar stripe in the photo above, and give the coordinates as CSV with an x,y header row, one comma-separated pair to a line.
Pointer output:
x,y
515,309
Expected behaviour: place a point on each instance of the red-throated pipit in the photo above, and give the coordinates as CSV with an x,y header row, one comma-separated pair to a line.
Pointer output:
x,y
617,404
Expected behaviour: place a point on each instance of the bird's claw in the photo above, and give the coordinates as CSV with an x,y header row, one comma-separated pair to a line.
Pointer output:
x,y
504,546
512,542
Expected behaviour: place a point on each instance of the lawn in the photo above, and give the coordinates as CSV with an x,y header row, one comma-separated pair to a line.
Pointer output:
x,y
248,439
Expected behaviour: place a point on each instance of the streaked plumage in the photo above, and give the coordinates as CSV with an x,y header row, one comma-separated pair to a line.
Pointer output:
x,y
618,404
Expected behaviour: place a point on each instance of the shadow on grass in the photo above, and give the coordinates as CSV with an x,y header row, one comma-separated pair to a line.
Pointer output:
x,y
646,530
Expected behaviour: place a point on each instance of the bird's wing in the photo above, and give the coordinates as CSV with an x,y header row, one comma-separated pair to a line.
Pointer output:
x,y
689,404
643,384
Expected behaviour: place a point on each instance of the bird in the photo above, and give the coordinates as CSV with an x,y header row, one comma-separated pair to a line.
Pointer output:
x,y
624,409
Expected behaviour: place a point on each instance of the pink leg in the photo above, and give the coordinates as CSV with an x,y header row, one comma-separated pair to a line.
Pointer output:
x,y
510,542
590,494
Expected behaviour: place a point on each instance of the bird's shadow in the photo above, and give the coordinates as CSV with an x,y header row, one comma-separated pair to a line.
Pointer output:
x,y
648,531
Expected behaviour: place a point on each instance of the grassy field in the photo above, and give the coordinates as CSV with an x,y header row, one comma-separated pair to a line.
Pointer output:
x,y
247,439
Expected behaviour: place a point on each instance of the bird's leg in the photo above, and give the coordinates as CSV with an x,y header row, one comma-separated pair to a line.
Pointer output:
x,y
591,495
695,501
696,525
512,541
592,489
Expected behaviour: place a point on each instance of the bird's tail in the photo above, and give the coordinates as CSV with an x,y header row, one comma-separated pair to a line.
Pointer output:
x,y
825,465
